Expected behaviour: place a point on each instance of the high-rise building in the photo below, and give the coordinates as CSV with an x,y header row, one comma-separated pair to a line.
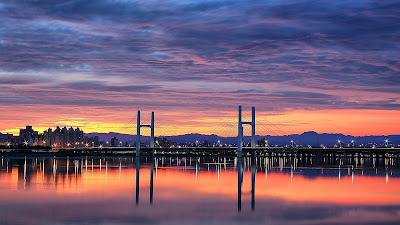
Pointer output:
x,y
48,137
71,136
63,137
78,135
28,136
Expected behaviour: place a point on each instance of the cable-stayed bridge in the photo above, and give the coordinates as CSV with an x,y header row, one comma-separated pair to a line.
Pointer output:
x,y
260,151
245,123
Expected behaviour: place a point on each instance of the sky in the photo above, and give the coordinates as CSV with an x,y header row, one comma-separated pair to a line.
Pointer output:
x,y
327,66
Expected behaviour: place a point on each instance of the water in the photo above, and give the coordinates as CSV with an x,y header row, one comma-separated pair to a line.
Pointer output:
x,y
170,190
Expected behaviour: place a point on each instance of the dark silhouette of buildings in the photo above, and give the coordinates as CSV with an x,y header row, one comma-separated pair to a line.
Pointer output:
x,y
115,142
30,137
8,139
63,137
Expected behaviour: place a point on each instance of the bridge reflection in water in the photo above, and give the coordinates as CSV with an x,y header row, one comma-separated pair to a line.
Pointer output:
x,y
199,186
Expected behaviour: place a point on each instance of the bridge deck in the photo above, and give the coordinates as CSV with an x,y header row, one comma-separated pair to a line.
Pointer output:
x,y
233,151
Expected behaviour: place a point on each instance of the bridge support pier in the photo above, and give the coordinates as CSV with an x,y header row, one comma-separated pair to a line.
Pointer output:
x,y
151,179
377,159
371,158
137,179
138,135
397,160
151,126
319,157
334,158
240,130
240,133
253,181
239,169
253,127
152,132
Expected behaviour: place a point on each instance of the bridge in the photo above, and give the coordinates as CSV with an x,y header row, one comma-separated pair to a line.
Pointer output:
x,y
238,150
301,153
307,156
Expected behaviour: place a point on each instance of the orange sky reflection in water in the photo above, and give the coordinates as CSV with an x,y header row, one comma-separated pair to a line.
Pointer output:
x,y
178,184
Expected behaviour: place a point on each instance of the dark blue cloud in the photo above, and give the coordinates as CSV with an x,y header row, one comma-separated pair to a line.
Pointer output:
x,y
311,45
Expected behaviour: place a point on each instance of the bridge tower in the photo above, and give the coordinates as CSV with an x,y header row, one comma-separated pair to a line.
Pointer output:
x,y
240,129
151,126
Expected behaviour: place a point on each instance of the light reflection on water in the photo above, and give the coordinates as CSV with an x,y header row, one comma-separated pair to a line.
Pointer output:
x,y
171,190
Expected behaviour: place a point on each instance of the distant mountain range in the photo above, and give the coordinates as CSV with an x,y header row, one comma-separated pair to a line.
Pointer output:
x,y
307,138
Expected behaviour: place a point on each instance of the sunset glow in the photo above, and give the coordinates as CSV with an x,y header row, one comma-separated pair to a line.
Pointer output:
x,y
326,67
90,183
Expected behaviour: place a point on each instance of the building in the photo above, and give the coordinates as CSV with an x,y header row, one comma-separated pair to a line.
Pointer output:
x,y
115,142
48,137
28,136
63,137
93,141
8,139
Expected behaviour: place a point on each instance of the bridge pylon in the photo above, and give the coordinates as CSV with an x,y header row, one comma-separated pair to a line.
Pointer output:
x,y
151,126
240,129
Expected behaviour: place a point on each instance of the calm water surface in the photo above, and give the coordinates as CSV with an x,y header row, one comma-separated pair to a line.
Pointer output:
x,y
170,190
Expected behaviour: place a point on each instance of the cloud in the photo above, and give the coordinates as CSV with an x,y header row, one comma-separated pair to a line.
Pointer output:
x,y
282,55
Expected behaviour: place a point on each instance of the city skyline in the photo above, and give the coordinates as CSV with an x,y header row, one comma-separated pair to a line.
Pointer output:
x,y
70,138
323,66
